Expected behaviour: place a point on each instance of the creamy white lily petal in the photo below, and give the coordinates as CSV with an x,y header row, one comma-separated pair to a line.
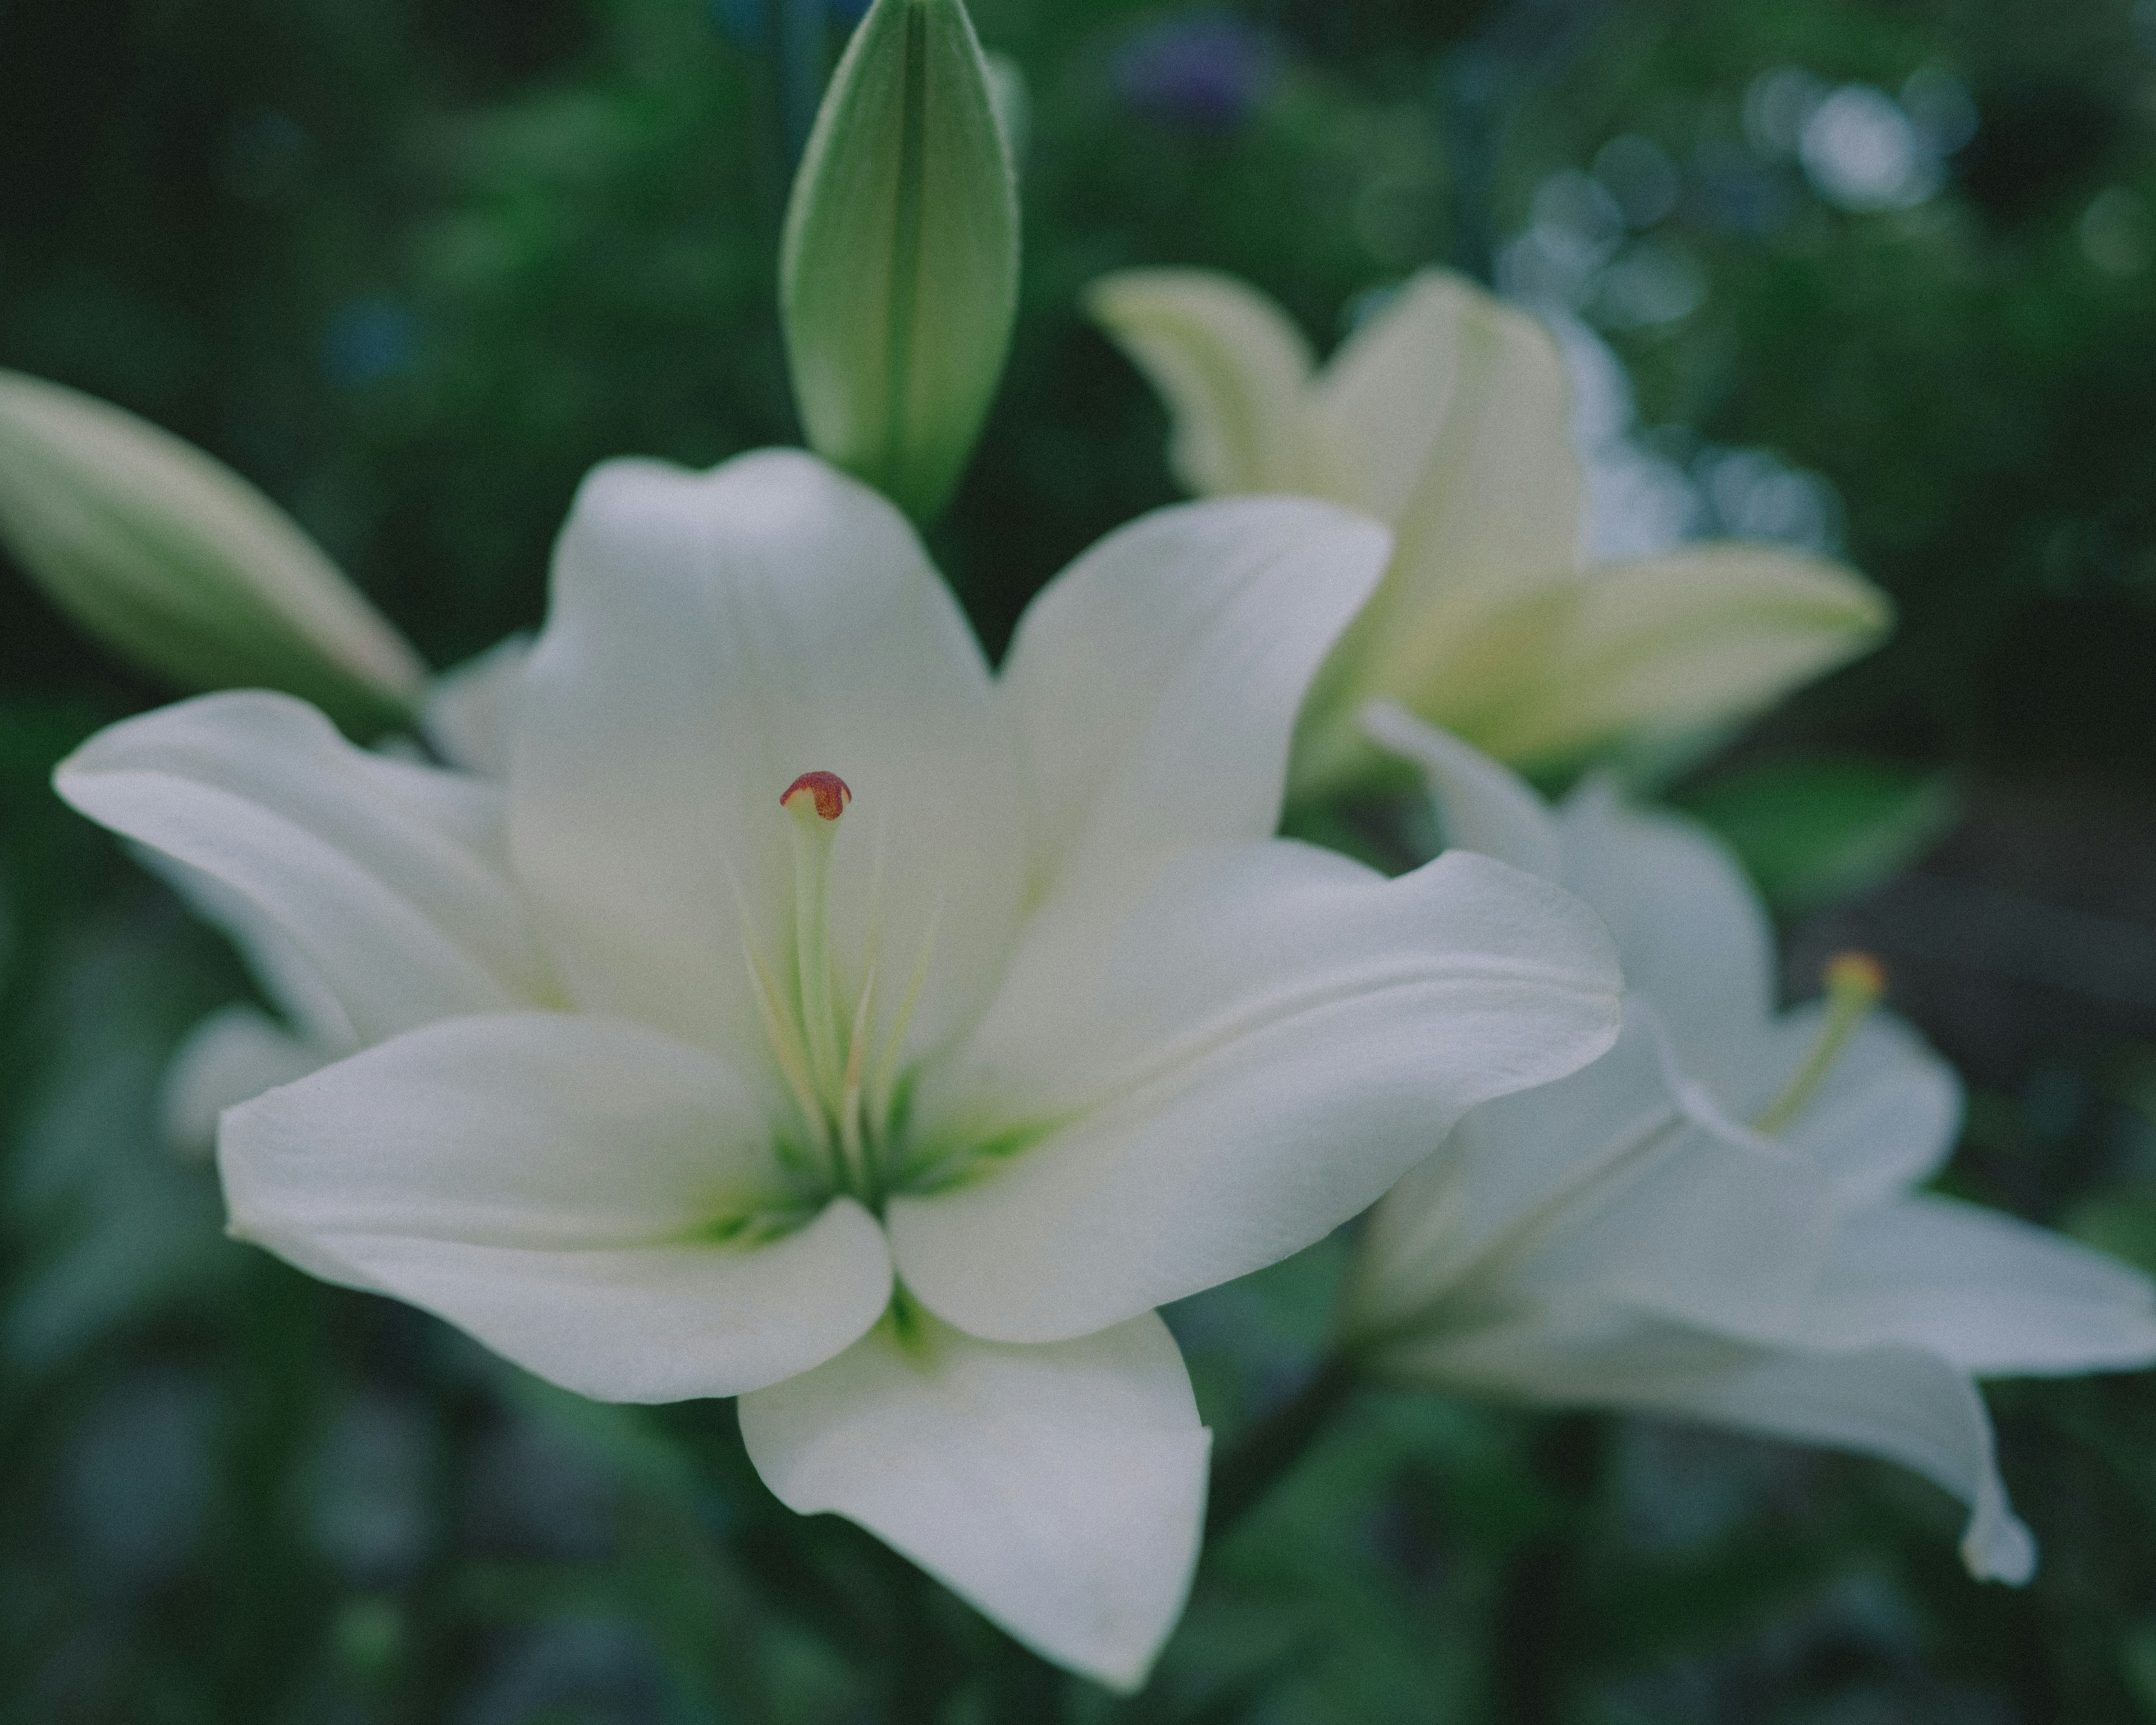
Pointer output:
x,y
1886,1117
1482,806
1903,1404
590,1199
292,985
1449,412
1730,1234
1153,687
1691,934
389,878
239,1052
470,714
1231,367
1061,1489
1509,1173
1246,1057
1990,1293
1447,417
235,1053
1705,635
712,637
1611,1186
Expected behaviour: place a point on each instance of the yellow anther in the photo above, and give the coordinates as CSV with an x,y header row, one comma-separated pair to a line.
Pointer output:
x,y
1855,983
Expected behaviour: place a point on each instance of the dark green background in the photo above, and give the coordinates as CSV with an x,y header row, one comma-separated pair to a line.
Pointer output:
x,y
413,267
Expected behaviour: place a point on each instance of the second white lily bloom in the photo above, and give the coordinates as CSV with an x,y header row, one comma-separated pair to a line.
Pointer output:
x,y
818,1018
1445,415
1715,1220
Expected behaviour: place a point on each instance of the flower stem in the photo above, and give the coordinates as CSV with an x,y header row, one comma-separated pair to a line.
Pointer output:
x,y
1270,1448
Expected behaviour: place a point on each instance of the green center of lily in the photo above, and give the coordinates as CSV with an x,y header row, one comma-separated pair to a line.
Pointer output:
x,y
1855,983
843,1069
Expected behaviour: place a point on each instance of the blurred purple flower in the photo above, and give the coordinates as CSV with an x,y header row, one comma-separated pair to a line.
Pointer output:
x,y
1205,71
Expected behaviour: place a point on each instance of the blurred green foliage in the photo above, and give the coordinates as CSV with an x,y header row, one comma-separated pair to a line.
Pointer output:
x,y
414,268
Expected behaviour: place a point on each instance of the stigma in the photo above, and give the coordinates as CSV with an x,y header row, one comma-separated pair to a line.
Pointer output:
x,y
838,1038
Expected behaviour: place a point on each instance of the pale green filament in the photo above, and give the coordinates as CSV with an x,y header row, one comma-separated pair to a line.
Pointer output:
x,y
813,837
1855,984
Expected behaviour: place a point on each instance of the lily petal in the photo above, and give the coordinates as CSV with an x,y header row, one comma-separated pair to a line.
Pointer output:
x,y
1220,1076
1693,939
1502,1176
1444,371
1448,414
1693,639
231,1057
1482,805
1154,684
453,1167
470,711
387,878
712,637
1992,1294
1061,1489
1611,1186
1903,1404
1231,368
1887,1114
291,983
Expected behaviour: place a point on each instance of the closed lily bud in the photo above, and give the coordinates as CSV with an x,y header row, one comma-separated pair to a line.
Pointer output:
x,y
174,561
899,277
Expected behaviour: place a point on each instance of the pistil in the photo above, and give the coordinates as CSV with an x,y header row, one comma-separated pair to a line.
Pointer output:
x,y
825,1034
817,801
1855,983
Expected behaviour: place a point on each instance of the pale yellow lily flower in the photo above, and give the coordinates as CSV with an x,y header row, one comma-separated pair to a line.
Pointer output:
x,y
1444,416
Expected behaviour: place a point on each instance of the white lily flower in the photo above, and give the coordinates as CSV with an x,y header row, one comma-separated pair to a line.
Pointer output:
x,y
1718,1220
467,715
846,1029
1445,416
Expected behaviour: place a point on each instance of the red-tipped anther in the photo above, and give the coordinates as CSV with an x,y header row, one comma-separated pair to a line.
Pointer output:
x,y
831,792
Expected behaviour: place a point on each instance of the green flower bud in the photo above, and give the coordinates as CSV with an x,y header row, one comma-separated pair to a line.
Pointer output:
x,y
179,565
899,278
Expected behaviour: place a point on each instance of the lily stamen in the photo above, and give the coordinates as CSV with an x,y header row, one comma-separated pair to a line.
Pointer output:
x,y
851,1126
1855,983
816,801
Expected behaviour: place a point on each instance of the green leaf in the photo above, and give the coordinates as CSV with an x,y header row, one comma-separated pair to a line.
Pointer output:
x,y
899,278
1817,830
